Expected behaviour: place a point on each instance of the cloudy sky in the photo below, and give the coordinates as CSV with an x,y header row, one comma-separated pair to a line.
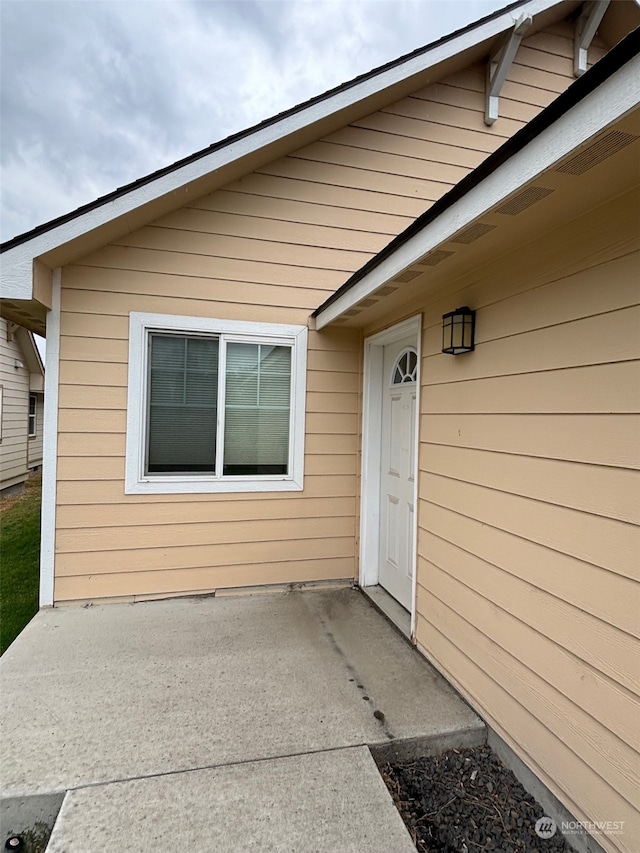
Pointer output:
x,y
97,94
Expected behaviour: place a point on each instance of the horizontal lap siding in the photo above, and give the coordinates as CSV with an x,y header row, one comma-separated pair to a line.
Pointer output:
x,y
109,544
15,402
529,531
269,247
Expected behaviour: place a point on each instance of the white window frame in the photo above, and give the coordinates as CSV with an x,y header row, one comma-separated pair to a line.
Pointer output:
x,y
33,418
137,482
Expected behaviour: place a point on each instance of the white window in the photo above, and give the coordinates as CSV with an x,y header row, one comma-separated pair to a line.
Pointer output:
x,y
406,367
33,426
214,405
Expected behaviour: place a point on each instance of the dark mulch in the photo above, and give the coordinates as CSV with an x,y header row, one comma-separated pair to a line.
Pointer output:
x,y
466,801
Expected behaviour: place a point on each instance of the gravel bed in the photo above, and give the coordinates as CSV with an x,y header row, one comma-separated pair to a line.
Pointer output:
x,y
466,801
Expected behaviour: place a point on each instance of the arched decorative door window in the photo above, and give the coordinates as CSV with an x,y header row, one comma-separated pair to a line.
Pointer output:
x,y
405,370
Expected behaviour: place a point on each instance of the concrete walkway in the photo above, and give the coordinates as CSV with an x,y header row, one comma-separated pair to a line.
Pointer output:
x,y
234,724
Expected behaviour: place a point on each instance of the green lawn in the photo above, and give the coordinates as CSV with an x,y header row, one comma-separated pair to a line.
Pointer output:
x,y
19,561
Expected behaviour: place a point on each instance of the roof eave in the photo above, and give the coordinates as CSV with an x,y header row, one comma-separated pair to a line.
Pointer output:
x,y
611,100
30,352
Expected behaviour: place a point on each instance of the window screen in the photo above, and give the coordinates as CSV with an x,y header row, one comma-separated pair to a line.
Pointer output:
x,y
257,407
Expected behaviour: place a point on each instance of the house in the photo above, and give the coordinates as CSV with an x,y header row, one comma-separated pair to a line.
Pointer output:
x,y
21,406
246,383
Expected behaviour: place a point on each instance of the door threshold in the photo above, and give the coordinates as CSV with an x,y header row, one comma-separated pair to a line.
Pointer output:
x,y
389,607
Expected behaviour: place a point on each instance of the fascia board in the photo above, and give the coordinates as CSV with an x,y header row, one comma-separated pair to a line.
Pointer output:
x,y
614,99
16,264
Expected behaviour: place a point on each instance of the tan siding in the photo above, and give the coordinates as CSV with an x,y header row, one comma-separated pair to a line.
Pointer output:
x,y
436,157
15,409
579,583
387,163
210,555
276,188
598,389
196,512
565,345
608,440
178,535
268,247
285,233
570,710
194,292
529,532
265,215
595,489
454,119
191,578
81,492
604,542
245,248
561,768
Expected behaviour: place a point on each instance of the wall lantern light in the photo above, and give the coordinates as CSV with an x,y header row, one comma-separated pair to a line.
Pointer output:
x,y
458,331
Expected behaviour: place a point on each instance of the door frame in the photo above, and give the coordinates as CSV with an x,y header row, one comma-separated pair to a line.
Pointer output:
x,y
374,386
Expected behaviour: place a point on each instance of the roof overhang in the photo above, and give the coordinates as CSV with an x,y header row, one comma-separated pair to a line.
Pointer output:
x,y
31,355
92,226
613,100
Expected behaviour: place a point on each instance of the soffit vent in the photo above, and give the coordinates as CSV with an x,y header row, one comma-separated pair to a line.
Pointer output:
x,y
351,312
367,302
523,200
385,290
596,153
408,275
470,235
434,258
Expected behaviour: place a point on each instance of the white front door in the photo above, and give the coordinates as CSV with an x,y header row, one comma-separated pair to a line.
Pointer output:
x,y
398,469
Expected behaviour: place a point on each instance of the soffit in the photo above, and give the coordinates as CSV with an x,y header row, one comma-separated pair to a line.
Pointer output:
x,y
29,351
28,313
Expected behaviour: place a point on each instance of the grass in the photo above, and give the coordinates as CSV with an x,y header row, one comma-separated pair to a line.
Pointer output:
x,y
20,561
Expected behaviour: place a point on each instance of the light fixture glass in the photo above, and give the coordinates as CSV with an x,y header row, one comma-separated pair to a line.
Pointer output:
x,y
458,331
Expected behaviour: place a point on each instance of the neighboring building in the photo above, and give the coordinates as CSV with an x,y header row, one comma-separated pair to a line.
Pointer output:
x,y
246,384
21,406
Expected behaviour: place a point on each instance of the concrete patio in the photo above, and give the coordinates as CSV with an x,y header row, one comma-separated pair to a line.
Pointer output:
x,y
235,723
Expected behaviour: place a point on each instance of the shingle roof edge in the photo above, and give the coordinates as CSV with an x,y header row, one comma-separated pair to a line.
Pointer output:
x,y
613,61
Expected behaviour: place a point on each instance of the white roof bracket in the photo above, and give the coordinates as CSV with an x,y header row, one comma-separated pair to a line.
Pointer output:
x,y
586,28
499,65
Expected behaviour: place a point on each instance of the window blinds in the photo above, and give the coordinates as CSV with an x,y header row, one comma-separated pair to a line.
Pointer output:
x,y
183,402
183,394
257,406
